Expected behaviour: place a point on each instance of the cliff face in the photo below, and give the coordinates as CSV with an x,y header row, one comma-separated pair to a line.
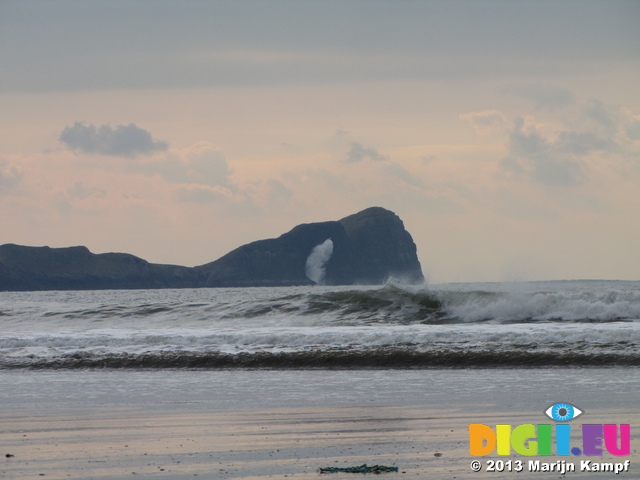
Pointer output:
x,y
382,247
366,248
277,261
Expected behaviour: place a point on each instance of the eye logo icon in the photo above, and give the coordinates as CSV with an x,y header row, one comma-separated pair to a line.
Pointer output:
x,y
563,412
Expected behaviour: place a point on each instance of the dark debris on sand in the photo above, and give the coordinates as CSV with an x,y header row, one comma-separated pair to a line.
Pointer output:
x,y
359,469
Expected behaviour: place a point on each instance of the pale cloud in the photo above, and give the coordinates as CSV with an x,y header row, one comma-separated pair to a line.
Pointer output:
x,y
207,164
81,191
121,141
334,182
268,196
546,169
582,143
564,149
201,194
632,129
205,178
358,152
278,194
396,170
428,159
536,157
597,111
10,176
630,126
543,96
484,121
202,163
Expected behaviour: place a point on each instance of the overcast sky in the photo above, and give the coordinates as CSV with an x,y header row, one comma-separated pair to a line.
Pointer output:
x,y
506,134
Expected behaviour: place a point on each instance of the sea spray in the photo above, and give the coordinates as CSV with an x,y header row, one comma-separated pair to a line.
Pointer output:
x,y
315,268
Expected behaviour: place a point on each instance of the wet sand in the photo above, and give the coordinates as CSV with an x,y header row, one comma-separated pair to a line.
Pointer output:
x,y
273,443
139,438
246,444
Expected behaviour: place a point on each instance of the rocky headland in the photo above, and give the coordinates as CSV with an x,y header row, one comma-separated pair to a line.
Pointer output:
x,y
368,247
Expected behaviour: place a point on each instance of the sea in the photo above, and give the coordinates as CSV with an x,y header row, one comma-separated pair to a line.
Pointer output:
x,y
470,325
347,375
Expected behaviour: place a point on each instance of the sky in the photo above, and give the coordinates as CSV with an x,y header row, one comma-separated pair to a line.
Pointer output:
x,y
505,134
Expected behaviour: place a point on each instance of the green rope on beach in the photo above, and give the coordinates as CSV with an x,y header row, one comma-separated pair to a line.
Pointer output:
x,y
360,469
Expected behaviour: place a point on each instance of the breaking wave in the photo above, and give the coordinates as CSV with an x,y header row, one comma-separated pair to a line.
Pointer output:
x,y
545,324
390,304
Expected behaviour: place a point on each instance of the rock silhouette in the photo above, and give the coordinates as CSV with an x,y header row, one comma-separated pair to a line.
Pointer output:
x,y
368,247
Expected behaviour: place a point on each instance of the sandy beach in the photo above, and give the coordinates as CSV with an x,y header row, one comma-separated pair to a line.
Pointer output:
x,y
270,443
122,433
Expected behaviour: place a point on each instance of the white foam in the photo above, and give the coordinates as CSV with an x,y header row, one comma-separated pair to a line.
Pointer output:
x,y
568,306
315,267
301,338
